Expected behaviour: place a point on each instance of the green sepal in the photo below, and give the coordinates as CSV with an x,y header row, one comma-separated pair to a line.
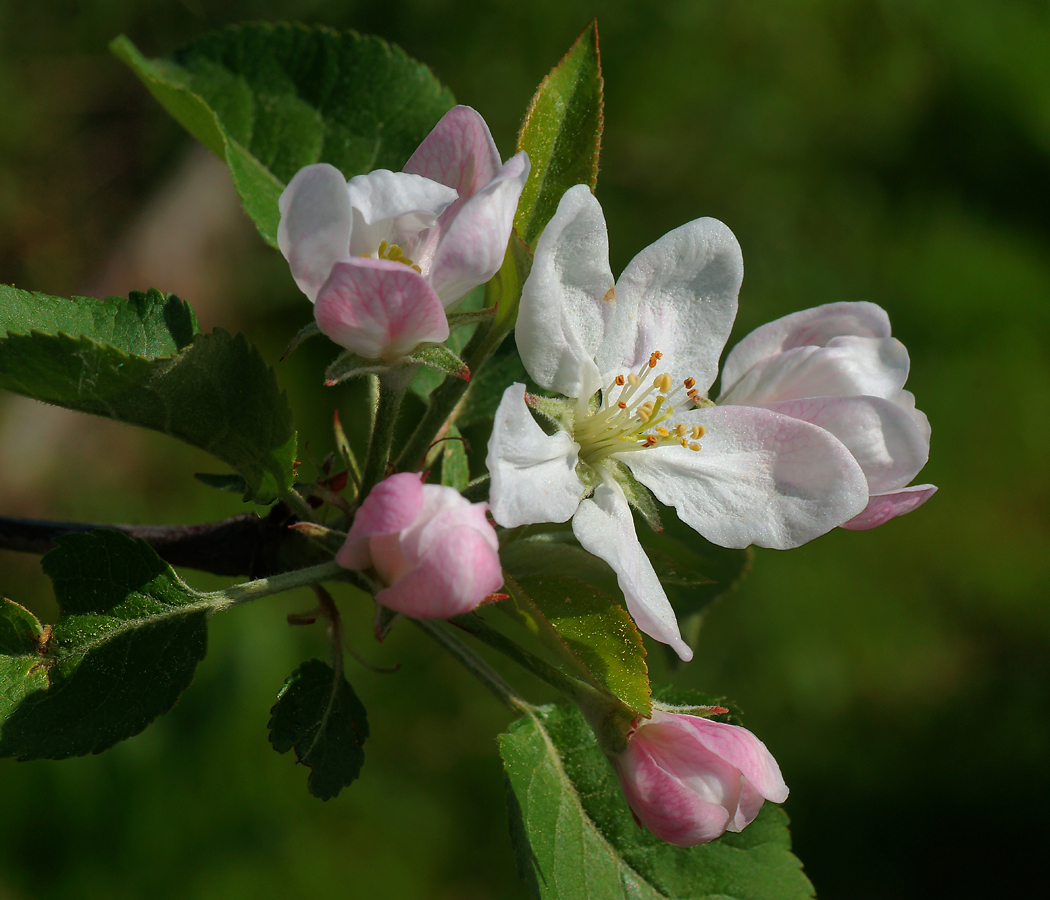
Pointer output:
x,y
559,412
127,644
438,356
349,365
271,99
562,134
309,330
637,494
575,837
318,713
469,317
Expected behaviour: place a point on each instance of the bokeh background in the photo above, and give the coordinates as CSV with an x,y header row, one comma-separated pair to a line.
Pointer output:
x,y
860,150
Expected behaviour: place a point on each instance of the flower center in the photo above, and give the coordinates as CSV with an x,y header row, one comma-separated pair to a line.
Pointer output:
x,y
395,254
629,418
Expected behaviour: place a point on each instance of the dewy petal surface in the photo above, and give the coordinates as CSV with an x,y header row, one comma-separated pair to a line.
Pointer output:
x,y
678,296
566,302
533,474
604,526
379,309
846,367
883,507
882,436
816,326
393,207
760,478
473,243
314,231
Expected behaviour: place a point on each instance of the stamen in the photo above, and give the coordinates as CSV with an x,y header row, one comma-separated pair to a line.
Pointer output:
x,y
632,379
620,380
699,431
663,432
694,447
690,383
663,382
621,404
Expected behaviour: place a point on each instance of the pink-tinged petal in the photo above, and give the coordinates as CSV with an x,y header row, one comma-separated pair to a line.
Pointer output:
x,y
846,367
567,300
393,207
390,507
459,153
883,507
882,436
814,327
678,296
533,474
906,401
444,511
314,231
379,309
604,526
739,748
760,478
474,241
451,579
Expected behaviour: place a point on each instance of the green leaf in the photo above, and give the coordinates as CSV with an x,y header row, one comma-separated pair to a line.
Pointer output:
x,y
270,99
126,645
439,357
233,484
215,393
638,495
147,324
503,290
582,842
318,713
562,133
462,324
592,632
455,467
487,385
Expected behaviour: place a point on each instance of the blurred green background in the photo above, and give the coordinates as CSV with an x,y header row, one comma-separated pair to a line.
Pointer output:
x,y
885,151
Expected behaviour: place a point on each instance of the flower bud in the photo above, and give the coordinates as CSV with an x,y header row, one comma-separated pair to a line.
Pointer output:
x,y
689,779
435,551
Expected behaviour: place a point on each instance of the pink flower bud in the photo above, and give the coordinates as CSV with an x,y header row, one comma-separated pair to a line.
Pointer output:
x,y
436,552
689,779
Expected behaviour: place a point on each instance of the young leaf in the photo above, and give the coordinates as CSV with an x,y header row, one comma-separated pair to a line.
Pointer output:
x,y
583,842
127,644
592,632
562,133
318,713
455,468
270,99
215,393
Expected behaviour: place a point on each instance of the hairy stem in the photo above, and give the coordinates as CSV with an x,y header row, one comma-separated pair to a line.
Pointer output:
x,y
275,584
392,387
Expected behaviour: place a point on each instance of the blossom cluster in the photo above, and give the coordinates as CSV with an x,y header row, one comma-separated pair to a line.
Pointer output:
x,y
812,427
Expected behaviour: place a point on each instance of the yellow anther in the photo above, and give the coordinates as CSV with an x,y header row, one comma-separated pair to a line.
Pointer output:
x,y
383,247
679,429
663,382
645,411
684,442
663,432
632,379
620,380
698,432
694,447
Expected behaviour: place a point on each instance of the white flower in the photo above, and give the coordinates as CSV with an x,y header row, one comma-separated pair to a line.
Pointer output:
x,y
636,357
838,367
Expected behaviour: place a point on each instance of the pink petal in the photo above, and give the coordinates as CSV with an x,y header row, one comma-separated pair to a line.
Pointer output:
x,y
314,231
392,506
883,507
459,152
814,327
473,241
379,309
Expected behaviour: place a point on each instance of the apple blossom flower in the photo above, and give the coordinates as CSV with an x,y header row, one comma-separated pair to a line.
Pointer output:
x,y
383,255
435,551
689,779
838,367
635,358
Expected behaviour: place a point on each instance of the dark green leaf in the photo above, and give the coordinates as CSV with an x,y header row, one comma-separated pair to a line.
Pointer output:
x,y
215,393
455,468
148,325
20,631
487,385
591,631
583,843
127,644
318,713
233,484
270,99
562,133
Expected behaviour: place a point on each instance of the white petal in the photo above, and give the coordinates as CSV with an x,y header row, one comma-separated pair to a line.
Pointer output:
x,y
533,474
814,327
314,231
846,367
393,207
760,478
605,527
474,242
906,401
882,437
678,296
564,310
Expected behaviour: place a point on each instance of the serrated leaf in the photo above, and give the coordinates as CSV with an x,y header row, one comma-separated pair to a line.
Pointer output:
x,y
594,634
270,99
20,630
318,713
126,645
215,393
562,134
455,467
147,324
584,843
